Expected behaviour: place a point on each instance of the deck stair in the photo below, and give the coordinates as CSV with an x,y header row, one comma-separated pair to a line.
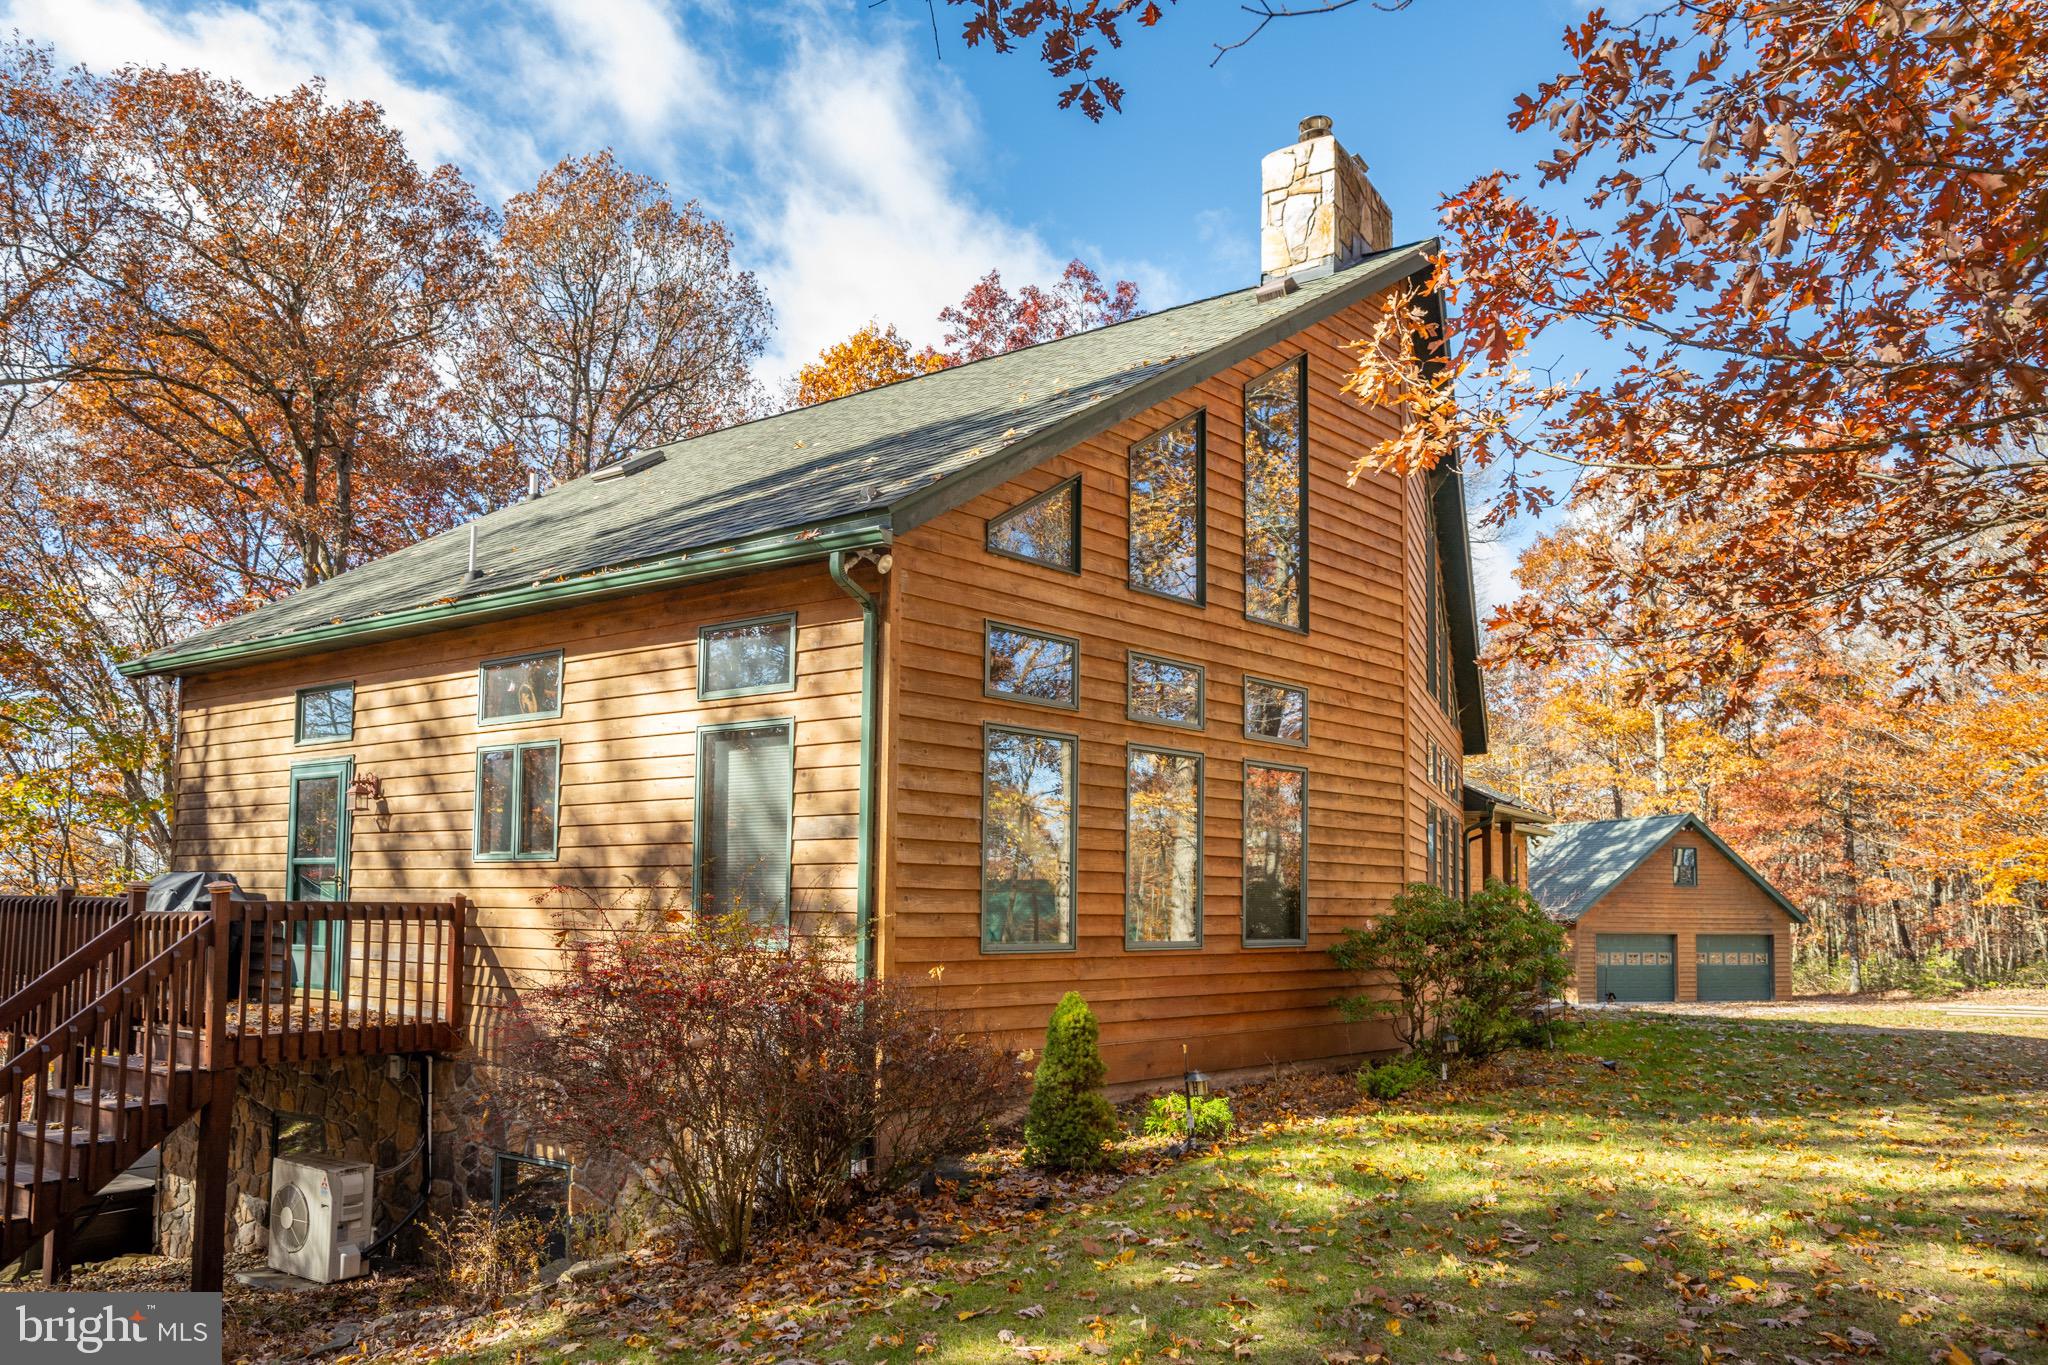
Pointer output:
x,y
120,1026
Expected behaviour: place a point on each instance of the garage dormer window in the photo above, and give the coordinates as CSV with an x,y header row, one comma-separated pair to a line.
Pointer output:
x,y
1685,867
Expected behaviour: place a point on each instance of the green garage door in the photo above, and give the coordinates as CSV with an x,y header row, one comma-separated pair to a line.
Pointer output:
x,y
1636,966
1735,966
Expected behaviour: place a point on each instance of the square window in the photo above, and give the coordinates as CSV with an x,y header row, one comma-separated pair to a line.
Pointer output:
x,y
518,789
528,687
1031,666
1164,692
1634,959
1275,711
746,658
326,714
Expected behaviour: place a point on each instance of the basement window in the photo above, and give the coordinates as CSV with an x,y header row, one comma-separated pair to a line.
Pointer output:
x,y
533,1188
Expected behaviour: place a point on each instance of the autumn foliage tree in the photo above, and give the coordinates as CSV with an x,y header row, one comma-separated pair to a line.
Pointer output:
x,y
989,320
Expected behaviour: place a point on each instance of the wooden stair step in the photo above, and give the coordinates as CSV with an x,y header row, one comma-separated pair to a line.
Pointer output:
x,y
126,1074
67,1150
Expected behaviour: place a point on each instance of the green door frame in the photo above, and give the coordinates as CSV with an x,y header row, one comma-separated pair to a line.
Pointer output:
x,y
327,939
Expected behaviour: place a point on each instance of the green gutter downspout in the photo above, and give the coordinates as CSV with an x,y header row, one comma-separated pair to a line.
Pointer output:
x,y
863,893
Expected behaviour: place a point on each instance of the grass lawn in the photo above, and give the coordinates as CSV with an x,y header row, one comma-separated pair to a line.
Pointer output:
x,y
1761,1189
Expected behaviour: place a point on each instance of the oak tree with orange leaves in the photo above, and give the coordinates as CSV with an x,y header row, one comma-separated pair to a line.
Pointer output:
x,y
873,356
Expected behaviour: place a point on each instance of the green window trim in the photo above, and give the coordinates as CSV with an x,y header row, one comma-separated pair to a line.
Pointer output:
x,y
787,683
1131,941
988,535
513,719
1199,419
299,737
700,808
1250,680
515,802
1073,837
343,770
1299,365
1131,711
989,627
1245,862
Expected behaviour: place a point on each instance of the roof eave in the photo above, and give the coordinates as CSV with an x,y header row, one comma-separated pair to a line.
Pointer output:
x,y
722,561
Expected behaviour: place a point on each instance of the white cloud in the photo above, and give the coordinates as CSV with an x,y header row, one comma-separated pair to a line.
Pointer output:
x,y
630,56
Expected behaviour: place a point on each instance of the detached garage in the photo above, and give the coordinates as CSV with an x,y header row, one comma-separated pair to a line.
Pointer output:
x,y
1659,908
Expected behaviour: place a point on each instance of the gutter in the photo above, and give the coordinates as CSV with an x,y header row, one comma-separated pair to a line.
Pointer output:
x,y
764,552
864,840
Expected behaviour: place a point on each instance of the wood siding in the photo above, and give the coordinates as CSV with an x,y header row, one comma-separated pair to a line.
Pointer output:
x,y
1497,850
628,763
1727,901
1232,1005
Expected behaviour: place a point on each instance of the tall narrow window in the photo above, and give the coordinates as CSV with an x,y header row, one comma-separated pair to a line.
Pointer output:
x,y
318,836
1275,711
1030,665
1167,550
745,658
746,791
1685,866
326,714
1275,855
1163,849
518,790
1046,530
1276,498
1027,840
525,688
1164,692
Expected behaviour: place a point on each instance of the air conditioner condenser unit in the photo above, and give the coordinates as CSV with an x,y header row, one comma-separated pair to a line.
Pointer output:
x,y
319,1217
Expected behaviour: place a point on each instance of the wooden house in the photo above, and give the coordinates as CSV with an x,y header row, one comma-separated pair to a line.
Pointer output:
x,y
1659,908
1087,666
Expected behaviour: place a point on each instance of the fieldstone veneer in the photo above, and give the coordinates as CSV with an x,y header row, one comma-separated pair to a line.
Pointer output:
x,y
1318,211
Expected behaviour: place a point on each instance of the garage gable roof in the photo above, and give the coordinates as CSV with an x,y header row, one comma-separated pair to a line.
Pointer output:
x,y
1581,861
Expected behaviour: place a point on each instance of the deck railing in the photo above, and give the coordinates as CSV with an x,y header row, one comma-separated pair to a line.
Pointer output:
x,y
38,932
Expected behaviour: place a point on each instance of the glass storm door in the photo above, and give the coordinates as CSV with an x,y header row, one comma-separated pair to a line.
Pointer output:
x,y
318,868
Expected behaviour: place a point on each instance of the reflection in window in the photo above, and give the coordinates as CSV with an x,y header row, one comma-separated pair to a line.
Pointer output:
x,y
1030,666
1275,500
327,713
1275,854
1163,849
520,689
1027,840
1275,711
517,790
1685,867
318,834
1045,530
1166,692
746,794
1166,512
746,657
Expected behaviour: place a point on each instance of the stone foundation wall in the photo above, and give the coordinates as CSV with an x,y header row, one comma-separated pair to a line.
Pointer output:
x,y
362,1115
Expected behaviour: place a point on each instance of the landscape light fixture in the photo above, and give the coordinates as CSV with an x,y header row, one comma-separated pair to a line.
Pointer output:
x,y
1448,1041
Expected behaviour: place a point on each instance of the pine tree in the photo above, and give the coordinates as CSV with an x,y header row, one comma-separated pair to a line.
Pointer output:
x,y
1070,1124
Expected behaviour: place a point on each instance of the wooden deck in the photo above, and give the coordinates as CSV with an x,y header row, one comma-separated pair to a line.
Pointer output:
x,y
123,1025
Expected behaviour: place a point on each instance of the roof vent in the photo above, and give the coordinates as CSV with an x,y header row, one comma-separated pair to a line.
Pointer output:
x,y
626,468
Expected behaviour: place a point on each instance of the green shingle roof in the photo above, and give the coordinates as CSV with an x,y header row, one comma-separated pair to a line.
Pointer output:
x,y
1578,862
853,471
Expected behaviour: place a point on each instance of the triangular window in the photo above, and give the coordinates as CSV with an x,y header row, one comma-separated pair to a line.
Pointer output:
x,y
1046,530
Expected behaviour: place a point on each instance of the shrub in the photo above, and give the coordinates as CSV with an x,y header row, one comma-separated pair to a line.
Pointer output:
x,y
739,1075
1392,1079
1070,1124
1168,1116
1474,966
477,1254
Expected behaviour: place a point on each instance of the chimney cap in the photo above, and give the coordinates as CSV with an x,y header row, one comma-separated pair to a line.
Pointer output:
x,y
1315,126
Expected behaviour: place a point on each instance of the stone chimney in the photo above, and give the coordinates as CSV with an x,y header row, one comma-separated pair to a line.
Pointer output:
x,y
1317,210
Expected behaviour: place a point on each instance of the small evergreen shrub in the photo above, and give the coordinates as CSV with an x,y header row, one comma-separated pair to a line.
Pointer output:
x,y
1391,1080
1070,1125
1168,1116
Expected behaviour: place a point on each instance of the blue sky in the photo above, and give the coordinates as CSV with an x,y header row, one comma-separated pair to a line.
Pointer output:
x,y
866,174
